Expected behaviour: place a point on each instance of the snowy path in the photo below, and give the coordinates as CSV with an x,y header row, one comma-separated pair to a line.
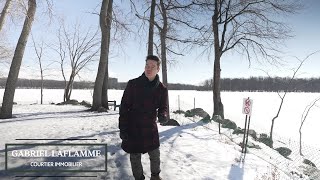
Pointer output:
x,y
190,151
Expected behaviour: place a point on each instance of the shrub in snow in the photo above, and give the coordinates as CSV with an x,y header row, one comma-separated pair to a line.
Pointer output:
x,y
238,131
312,172
284,151
72,101
85,103
263,135
226,123
196,112
252,132
265,140
217,118
179,112
171,122
251,145
188,114
308,162
206,119
200,112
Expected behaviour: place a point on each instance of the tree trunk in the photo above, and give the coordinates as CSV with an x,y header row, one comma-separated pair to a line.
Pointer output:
x,y
218,106
4,13
7,103
164,59
106,76
163,36
274,118
303,119
39,56
65,81
300,142
69,87
151,27
271,129
98,85
41,100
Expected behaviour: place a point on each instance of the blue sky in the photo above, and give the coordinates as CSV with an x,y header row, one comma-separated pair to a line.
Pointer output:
x,y
190,68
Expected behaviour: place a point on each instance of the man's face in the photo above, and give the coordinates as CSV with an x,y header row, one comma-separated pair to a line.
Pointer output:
x,y
151,69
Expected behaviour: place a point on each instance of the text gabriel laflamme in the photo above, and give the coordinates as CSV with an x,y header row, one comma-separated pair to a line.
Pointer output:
x,y
55,153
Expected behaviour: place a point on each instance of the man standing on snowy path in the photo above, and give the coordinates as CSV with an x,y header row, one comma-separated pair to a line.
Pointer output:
x,y
143,100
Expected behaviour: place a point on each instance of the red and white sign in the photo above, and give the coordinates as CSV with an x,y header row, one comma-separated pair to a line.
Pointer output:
x,y
247,106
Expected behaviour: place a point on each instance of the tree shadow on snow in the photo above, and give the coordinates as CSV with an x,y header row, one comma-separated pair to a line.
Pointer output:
x,y
179,130
176,130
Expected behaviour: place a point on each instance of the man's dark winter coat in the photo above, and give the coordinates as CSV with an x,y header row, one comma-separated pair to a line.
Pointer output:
x,y
142,102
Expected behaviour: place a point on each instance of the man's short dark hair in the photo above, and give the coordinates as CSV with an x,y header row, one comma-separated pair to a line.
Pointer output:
x,y
153,57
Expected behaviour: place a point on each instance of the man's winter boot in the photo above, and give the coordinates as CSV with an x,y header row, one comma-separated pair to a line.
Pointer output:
x,y
141,178
155,177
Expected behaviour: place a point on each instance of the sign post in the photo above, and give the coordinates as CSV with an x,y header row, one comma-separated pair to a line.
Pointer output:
x,y
246,109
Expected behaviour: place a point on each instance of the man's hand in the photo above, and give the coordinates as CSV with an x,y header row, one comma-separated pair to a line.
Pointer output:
x,y
124,135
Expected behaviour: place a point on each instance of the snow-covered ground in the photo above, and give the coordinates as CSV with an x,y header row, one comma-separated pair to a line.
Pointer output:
x,y
265,107
191,151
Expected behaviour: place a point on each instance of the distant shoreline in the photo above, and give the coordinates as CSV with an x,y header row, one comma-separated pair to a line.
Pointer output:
x,y
253,84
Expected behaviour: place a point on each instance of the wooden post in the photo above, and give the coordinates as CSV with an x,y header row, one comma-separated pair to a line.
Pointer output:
x,y
244,134
245,151
179,102
194,103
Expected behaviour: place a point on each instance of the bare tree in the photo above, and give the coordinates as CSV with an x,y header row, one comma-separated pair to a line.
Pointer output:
x,y
248,27
7,103
11,10
303,119
163,34
4,13
174,22
163,30
5,52
170,16
174,16
110,17
100,93
39,53
282,95
105,86
81,49
151,27
60,49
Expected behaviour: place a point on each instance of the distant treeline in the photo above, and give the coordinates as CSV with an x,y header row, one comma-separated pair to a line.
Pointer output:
x,y
54,84
172,86
270,84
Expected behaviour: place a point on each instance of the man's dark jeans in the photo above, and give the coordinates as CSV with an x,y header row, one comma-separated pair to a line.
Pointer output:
x,y
136,166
